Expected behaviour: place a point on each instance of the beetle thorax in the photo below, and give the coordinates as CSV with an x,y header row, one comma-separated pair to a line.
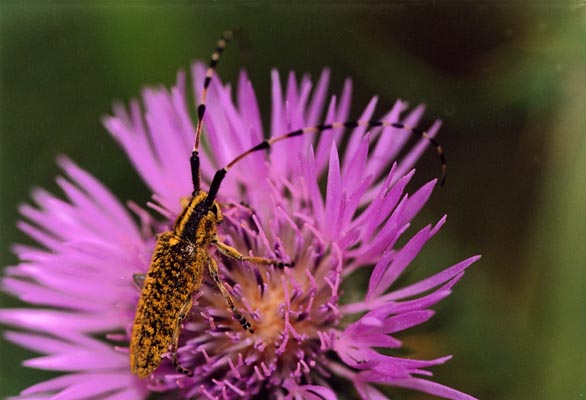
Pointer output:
x,y
198,222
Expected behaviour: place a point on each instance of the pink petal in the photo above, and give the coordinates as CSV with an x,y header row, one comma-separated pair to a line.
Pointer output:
x,y
434,280
433,388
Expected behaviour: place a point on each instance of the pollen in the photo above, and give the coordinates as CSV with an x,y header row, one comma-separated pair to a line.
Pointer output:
x,y
271,324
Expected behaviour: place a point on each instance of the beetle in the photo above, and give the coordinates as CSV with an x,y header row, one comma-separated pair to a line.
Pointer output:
x,y
181,256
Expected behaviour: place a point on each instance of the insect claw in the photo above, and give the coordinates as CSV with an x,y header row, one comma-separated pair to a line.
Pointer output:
x,y
281,264
179,368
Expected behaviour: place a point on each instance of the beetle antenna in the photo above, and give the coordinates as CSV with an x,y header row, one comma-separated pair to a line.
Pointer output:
x,y
267,143
201,109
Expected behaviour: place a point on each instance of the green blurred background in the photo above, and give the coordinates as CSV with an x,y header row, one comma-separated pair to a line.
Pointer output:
x,y
507,79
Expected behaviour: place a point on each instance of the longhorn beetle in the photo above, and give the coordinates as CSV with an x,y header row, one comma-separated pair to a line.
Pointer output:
x,y
181,255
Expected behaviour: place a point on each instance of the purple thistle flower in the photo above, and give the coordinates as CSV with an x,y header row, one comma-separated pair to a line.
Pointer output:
x,y
81,276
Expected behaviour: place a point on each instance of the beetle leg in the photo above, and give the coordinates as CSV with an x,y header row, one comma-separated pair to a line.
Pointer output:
x,y
175,341
231,252
139,280
213,269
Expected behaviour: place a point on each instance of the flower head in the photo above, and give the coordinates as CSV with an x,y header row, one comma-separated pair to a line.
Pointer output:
x,y
303,340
